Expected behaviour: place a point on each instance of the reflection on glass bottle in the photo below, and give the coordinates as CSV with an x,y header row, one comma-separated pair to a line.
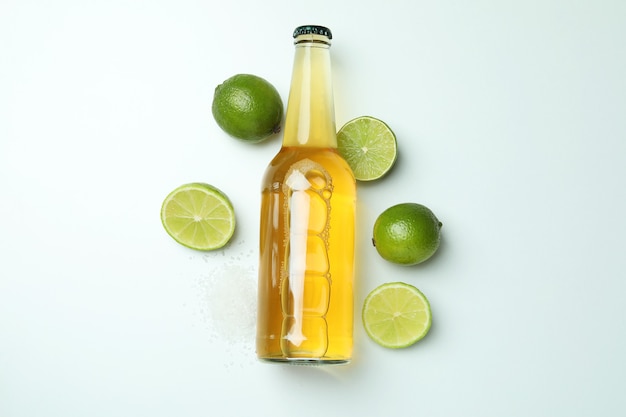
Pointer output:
x,y
306,272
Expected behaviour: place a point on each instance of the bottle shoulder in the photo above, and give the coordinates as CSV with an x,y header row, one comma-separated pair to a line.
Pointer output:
x,y
327,159
289,155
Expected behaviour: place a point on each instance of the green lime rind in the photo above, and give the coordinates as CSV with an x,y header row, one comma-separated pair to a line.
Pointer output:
x,y
396,315
407,234
247,107
369,146
198,216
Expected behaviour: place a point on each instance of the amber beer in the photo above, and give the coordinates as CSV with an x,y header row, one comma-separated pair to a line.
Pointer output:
x,y
306,270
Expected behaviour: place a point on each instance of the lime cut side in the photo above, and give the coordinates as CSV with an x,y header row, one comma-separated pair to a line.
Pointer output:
x,y
369,147
396,315
198,216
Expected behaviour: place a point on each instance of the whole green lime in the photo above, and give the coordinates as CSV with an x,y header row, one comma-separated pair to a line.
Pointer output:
x,y
407,234
247,107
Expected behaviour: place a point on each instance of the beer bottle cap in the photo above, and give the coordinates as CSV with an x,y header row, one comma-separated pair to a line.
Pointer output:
x,y
314,30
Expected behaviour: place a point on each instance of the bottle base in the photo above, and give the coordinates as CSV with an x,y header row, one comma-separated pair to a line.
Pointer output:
x,y
305,361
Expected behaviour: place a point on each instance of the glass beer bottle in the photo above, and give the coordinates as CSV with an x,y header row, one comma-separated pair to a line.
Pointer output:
x,y
307,224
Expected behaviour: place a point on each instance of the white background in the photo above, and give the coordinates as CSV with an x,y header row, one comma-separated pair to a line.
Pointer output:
x,y
511,123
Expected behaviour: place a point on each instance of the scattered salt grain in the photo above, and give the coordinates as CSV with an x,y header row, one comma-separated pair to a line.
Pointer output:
x,y
228,300
231,302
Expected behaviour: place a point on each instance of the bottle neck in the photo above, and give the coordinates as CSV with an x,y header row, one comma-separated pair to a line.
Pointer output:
x,y
310,117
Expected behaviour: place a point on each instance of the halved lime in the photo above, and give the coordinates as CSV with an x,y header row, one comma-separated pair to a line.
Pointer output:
x,y
369,146
396,315
198,216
